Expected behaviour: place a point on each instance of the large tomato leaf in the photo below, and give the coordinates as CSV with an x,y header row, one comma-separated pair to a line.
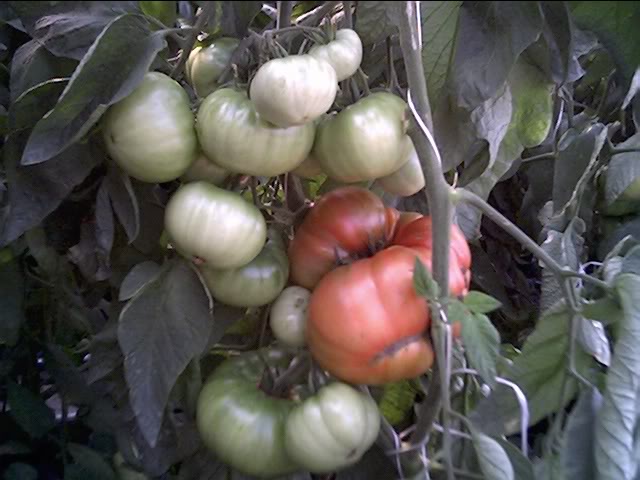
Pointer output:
x,y
237,16
522,466
29,107
68,29
124,201
623,170
375,21
161,330
125,49
494,461
29,410
11,302
88,464
616,420
578,439
137,278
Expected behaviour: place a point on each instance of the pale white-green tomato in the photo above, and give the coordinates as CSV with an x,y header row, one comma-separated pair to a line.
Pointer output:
x,y
332,429
252,285
344,53
288,316
293,90
151,133
234,136
215,225
205,169
409,179
206,63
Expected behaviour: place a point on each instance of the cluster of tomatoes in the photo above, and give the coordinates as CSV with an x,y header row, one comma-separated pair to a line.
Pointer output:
x,y
342,287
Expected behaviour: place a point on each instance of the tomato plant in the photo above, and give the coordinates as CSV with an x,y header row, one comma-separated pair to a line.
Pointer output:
x,y
207,62
151,133
344,53
288,316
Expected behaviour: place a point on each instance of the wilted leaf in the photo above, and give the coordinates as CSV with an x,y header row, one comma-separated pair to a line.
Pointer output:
x,y
137,278
29,411
12,288
112,68
494,462
161,330
479,302
578,441
376,21
615,422
90,463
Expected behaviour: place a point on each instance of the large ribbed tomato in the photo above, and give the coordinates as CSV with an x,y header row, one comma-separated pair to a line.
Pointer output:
x,y
366,323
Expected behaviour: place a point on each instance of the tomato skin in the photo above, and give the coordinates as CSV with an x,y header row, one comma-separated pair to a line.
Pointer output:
x,y
332,429
344,53
206,63
288,316
365,141
151,132
293,90
241,424
409,179
309,168
252,285
234,136
216,225
205,169
366,322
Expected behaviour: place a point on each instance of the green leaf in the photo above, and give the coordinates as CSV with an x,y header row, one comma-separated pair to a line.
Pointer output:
x,y
397,401
376,21
34,103
594,341
540,371
634,88
522,466
20,471
549,468
162,328
124,201
67,29
14,448
616,25
479,302
29,411
237,16
627,227
614,439
126,49
622,173
491,36
423,282
494,462
90,463
137,278
11,302
578,440
439,22
631,261
166,12
482,344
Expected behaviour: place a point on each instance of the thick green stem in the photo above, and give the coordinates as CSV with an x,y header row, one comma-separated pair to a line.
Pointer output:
x,y
284,14
206,13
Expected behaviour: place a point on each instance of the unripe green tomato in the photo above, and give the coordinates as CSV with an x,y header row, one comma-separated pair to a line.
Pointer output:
x,y
365,141
151,133
293,90
215,225
309,168
409,179
206,63
332,429
255,284
344,53
235,137
288,316
205,169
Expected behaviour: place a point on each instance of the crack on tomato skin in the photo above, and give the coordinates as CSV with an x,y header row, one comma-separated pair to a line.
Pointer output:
x,y
395,347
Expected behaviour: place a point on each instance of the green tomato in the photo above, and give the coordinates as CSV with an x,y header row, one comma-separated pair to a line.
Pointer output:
x,y
235,137
205,169
288,316
344,53
309,168
241,424
206,63
257,283
293,90
151,133
332,429
365,141
215,225
409,179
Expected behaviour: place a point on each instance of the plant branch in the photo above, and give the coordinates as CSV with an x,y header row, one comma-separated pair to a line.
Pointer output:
x,y
348,15
204,16
315,16
284,14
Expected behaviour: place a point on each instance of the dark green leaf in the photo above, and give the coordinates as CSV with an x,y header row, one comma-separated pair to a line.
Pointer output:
x,y
439,22
522,466
490,38
112,68
374,464
623,170
482,344
33,64
615,422
376,21
20,471
137,278
92,464
549,468
33,104
237,16
166,12
494,462
423,282
12,288
29,411
578,441
593,340
161,329
631,261
627,227
68,29
14,448
124,201
36,191
479,302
